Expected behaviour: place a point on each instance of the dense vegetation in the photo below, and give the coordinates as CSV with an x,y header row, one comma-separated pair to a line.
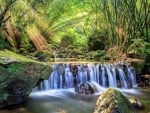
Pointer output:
x,y
91,29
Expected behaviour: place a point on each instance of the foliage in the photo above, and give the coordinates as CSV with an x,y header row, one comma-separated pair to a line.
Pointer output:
x,y
137,47
5,6
3,96
12,69
4,44
100,55
43,56
97,41
99,26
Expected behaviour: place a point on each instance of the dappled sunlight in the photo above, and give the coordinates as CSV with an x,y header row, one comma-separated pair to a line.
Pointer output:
x,y
31,14
11,34
38,40
59,56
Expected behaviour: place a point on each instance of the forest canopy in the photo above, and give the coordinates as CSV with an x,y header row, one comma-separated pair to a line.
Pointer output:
x,y
91,29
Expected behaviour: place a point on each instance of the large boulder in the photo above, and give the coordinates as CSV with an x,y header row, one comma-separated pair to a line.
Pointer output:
x,y
112,101
18,76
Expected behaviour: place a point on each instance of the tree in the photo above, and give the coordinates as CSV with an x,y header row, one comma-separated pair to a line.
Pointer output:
x,y
5,5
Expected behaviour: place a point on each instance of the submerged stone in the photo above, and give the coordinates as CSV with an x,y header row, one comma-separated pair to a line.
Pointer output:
x,y
18,76
112,101
136,104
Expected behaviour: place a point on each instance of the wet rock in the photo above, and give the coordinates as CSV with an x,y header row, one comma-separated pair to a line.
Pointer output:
x,y
61,69
145,79
112,101
86,88
136,104
74,70
18,76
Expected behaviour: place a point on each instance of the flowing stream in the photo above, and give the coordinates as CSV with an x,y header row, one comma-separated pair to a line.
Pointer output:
x,y
68,101
57,94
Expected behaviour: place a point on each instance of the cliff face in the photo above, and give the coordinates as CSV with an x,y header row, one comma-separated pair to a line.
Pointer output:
x,y
18,76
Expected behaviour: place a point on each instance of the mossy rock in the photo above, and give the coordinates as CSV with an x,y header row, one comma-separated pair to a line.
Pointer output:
x,y
112,101
18,76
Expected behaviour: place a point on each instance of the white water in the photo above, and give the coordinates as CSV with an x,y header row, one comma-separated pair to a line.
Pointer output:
x,y
123,78
106,75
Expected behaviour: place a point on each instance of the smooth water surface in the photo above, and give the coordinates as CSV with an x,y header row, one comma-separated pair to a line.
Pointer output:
x,y
56,101
67,101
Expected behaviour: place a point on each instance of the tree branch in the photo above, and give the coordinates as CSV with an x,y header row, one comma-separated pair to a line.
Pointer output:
x,y
2,15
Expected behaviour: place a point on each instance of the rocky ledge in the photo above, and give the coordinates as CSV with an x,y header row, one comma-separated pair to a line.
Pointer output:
x,y
18,76
112,101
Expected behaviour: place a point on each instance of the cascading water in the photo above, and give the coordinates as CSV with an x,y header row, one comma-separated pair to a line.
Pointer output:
x,y
106,75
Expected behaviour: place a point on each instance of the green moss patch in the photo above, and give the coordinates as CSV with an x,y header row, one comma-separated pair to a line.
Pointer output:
x,y
112,101
18,76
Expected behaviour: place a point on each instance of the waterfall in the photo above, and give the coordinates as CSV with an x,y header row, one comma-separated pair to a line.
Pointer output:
x,y
106,75
103,77
97,73
132,76
122,76
110,76
114,76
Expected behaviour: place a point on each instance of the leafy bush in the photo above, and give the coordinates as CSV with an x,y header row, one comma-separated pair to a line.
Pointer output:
x,y
97,41
43,56
137,48
4,44
99,55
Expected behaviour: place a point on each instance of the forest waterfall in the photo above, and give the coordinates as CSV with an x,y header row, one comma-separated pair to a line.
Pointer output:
x,y
106,75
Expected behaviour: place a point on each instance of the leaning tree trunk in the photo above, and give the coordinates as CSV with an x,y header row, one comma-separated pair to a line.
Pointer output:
x,y
4,12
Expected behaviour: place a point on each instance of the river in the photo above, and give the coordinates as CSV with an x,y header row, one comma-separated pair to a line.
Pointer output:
x,y
67,101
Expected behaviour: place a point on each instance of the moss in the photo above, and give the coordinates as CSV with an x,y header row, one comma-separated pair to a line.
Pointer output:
x,y
112,100
13,68
8,55
17,71
123,102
